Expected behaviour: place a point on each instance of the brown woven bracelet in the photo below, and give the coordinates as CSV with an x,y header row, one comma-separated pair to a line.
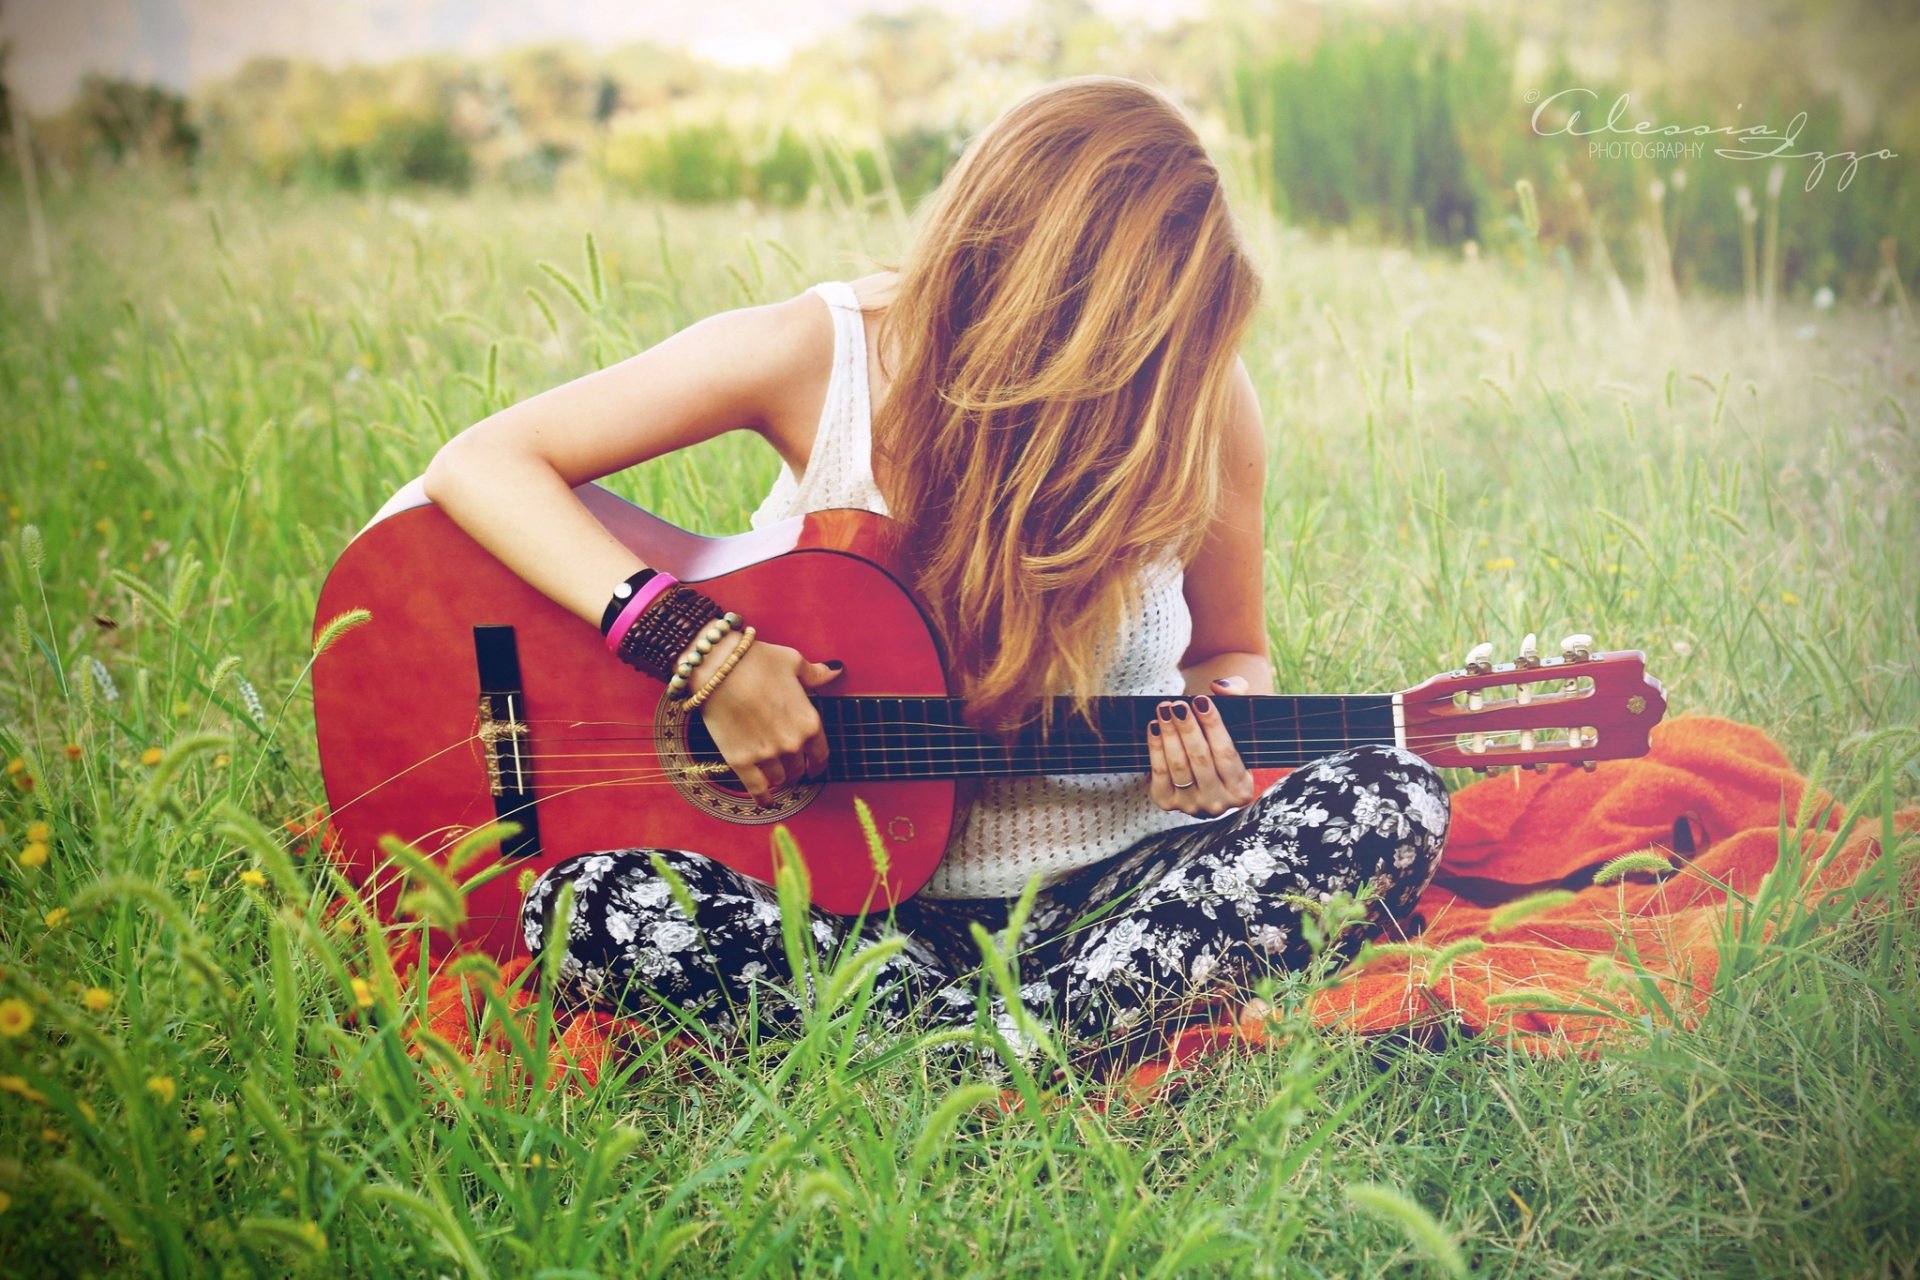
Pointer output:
x,y
654,641
666,629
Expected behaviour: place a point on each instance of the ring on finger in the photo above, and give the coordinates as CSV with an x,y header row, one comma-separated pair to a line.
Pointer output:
x,y
1181,786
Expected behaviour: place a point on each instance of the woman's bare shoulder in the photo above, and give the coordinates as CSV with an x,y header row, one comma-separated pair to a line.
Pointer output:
x,y
875,290
800,357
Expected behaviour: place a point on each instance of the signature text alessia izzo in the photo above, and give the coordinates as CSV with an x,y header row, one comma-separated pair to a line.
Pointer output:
x,y
1660,141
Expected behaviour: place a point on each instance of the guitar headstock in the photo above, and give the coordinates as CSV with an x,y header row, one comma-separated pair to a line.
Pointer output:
x,y
1576,708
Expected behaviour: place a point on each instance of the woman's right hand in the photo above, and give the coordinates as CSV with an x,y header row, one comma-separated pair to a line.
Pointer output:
x,y
760,717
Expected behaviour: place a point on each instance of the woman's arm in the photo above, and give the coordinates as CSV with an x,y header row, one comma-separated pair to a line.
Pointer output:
x,y
508,482
1225,585
1195,766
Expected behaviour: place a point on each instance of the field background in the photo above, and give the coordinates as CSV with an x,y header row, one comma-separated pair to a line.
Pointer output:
x,y
220,373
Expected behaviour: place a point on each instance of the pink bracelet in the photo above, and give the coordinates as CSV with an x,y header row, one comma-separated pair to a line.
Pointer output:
x,y
648,592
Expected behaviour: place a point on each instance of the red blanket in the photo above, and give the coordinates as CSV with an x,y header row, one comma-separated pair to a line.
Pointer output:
x,y
1708,801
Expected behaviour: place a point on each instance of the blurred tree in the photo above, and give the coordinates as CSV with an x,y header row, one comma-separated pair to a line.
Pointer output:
x,y
124,121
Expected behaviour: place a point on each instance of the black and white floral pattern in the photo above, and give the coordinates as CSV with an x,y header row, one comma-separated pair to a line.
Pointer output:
x,y
1117,954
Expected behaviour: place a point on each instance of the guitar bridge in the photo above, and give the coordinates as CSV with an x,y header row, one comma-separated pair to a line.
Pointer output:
x,y
510,773
504,738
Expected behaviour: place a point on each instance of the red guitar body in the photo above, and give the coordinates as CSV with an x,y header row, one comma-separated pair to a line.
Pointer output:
x,y
403,733
470,697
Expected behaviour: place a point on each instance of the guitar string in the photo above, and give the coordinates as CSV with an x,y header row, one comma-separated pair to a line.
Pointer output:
x,y
929,753
864,728
930,769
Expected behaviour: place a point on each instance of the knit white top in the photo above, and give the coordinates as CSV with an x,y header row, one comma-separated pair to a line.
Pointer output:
x,y
1017,826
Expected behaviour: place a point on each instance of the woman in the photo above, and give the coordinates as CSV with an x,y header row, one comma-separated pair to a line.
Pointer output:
x,y
1059,419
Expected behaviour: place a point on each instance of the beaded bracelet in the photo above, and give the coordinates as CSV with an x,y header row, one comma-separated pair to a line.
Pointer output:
x,y
697,652
739,651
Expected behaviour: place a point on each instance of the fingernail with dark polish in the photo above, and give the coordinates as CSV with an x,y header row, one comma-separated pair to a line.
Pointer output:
x,y
1154,728
1203,704
1180,710
1166,713
836,664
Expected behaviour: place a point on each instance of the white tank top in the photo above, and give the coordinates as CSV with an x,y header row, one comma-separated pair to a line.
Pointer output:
x,y
1017,826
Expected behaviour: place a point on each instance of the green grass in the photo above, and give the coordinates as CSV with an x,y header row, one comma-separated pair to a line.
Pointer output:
x,y
1461,450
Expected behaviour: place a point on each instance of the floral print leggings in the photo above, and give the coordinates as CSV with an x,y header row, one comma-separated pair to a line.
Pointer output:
x,y
1118,954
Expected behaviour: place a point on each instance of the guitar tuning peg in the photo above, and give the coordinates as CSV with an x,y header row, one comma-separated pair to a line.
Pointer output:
x,y
1577,647
1529,653
1527,660
1480,659
1587,765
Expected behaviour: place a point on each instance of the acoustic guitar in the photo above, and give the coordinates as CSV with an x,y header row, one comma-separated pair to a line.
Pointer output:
x,y
468,696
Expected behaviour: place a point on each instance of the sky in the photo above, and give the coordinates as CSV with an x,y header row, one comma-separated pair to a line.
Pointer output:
x,y
179,43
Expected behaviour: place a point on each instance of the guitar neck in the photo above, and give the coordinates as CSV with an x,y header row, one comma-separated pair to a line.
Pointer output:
x,y
905,738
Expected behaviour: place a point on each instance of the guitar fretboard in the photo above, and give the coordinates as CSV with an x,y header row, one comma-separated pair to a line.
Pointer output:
x,y
898,739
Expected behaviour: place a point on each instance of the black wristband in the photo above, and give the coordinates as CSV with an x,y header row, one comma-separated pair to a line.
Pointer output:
x,y
622,594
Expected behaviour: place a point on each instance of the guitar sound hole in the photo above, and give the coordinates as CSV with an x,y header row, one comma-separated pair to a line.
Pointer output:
x,y
707,758
697,770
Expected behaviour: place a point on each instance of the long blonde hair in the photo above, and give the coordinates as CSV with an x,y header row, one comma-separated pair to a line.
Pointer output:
x,y
1066,322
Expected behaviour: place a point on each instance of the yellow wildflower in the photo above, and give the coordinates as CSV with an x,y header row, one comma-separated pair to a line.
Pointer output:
x,y
15,765
16,1015
39,831
182,708
96,999
1500,565
73,751
151,756
52,1136
222,760
1788,598
193,875
56,917
362,993
103,525
34,855
18,1085
315,1236
197,1135
161,1087
255,878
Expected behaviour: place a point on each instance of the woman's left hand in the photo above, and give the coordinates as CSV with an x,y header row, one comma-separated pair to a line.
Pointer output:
x,y
1196,769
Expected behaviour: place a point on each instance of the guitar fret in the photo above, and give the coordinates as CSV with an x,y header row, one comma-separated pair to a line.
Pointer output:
x,y
893,739
916,743
855,739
